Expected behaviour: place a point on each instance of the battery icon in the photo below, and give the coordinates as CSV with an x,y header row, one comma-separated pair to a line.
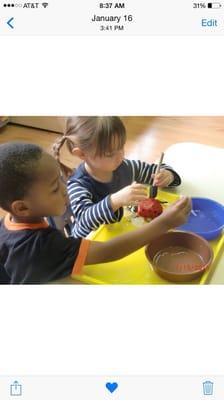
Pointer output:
x,y
214,5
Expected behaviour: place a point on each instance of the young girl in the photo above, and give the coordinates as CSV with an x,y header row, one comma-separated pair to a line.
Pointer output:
x,y
105,181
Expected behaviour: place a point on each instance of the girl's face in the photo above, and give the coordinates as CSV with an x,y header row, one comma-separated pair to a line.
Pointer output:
x,y
107,163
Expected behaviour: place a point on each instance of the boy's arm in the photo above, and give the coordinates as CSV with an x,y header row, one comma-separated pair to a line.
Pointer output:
x,y
142,172
125,244
89,216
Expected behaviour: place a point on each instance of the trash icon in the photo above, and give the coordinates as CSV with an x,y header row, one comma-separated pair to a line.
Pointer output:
x,y
208,388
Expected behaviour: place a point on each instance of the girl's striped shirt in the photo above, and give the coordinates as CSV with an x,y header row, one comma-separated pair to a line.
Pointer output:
x,y
90,199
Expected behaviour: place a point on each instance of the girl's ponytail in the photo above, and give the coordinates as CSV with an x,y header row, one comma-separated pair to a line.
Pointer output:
x,y
66,171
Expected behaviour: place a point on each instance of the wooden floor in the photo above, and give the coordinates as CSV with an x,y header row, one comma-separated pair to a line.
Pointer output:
x,y
147,136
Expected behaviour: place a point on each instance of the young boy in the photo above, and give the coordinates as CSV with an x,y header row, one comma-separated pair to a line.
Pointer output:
x,y
33,252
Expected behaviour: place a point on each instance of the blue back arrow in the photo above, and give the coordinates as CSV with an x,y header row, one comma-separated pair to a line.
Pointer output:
x,y
9,22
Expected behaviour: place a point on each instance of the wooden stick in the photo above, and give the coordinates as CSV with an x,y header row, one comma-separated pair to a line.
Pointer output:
x,y
158,166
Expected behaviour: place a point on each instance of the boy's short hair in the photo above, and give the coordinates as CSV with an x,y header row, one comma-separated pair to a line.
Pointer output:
x,y
18,162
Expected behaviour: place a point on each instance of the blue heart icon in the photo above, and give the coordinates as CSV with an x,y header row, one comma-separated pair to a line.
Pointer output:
x,y
111,386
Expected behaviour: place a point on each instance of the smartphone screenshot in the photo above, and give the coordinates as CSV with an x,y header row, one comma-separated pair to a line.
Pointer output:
x,y
111,199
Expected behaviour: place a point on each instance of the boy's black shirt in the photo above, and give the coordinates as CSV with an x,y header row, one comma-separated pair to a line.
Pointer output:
x,y
35,254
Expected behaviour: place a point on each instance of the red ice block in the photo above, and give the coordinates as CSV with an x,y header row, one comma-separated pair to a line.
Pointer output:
x,y
150,208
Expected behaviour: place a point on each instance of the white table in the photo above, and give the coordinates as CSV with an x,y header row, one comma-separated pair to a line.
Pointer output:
x,y
201,168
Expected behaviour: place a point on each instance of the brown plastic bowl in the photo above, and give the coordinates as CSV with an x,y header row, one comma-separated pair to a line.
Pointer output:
x,y
177,266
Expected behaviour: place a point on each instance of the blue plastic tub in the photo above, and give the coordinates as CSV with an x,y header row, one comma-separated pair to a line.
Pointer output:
x,y
206,218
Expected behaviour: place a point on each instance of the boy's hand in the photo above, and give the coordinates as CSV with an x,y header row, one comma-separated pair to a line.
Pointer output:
x,y
122,245
129,195
177,214
163,179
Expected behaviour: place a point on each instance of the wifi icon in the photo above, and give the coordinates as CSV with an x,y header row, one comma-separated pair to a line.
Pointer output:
x,y
44,5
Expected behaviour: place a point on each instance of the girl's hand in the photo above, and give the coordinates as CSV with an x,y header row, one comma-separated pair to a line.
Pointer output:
x,y
163,178
177,213
129,195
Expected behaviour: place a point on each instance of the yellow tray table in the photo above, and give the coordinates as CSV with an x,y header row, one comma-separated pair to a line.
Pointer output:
x,y
135,268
